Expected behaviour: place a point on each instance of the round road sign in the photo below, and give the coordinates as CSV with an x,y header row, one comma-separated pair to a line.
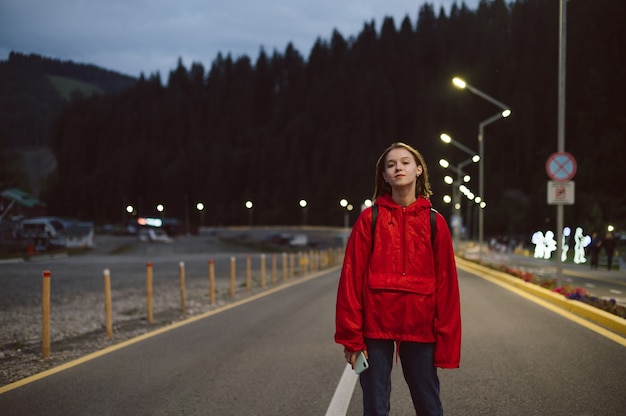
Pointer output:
x,y
561,166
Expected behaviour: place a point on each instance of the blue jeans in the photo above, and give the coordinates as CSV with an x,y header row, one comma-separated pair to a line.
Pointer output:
x,y
419,371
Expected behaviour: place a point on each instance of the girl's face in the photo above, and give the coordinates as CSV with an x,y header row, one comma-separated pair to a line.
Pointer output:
x,y
400,168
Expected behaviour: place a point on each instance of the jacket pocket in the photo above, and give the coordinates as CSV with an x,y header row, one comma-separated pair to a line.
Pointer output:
x,y
423,285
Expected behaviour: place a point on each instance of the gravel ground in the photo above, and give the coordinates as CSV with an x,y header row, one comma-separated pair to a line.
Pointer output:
x,y
77,303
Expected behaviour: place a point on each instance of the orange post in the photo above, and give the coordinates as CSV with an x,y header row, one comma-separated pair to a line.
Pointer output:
x,y
232,277
284,266
248,274
212,282
45,307
291,264
107,303
263,271
149,291
181,272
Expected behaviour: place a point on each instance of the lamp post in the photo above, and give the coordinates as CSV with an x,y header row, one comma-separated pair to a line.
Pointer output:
x,y
506,111
462,177
249,206
200,208
346,216
561,125
131,211
475,158
303,204
447,139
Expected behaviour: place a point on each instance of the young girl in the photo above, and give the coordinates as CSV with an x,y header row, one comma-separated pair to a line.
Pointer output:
x,y
399,287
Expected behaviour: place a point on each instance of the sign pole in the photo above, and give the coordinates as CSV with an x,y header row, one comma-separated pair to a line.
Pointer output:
x,y
561,129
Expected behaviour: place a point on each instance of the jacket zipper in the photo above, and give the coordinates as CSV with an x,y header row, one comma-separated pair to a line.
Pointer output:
x,y
403,231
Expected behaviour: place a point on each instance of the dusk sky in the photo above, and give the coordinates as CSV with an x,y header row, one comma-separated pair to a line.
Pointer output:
x,y
134,36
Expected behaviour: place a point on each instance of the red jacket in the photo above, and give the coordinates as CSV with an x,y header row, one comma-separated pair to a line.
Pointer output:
x,y
399,289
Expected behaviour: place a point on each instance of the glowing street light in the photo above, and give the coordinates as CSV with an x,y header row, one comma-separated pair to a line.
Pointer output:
x,y
346,216
506,112
303,204
249,206
200,208
475,157
462,177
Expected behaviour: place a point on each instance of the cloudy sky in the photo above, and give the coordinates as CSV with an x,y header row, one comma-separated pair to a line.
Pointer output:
x,y
134,36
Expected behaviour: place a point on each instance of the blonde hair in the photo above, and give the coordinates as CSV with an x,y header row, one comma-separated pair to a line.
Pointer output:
x,y
422,185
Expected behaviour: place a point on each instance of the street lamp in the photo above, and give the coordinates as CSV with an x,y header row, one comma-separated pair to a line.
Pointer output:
x,y
462,177
249,206
506,111
346,216
475,158
303,205
447,139
200,208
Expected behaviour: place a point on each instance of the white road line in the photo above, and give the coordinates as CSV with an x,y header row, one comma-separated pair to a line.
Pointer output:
x,y
615,291
343,394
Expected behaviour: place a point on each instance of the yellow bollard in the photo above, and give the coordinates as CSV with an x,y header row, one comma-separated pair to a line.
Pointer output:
x,y
107,303
212,282
263,271
181,270
149,291
45,308
232,277
284,266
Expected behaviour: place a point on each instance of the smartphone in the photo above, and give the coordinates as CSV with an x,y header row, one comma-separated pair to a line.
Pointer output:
x,y
360,364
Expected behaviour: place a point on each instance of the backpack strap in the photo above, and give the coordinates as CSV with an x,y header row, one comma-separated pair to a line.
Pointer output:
x,y
433,225
374,217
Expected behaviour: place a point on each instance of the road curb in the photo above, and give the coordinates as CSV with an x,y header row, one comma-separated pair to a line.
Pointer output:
x,y
591,313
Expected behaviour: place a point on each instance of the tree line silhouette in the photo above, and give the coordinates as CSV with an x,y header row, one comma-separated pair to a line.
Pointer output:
x,y
285,128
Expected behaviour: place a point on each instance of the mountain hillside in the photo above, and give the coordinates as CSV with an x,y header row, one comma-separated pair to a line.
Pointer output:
x,y
33,89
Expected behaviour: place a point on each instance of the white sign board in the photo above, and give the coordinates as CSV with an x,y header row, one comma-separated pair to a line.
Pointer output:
x,y
560,193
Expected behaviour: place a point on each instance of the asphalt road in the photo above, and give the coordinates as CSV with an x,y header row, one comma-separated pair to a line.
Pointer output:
x,y
274,355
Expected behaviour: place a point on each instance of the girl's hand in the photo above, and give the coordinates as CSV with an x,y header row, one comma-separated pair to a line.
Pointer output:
x,y
351,356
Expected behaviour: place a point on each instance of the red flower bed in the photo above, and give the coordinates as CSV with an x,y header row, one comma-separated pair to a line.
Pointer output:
x,y
570,292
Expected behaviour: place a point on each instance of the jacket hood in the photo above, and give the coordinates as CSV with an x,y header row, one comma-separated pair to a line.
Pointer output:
x,y
420,204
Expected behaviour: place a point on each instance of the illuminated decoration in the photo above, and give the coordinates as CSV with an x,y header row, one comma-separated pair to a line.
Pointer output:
x,y
545,244
566,233
581,241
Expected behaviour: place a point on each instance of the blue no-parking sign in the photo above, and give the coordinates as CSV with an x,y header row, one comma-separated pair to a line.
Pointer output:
x,y
561,166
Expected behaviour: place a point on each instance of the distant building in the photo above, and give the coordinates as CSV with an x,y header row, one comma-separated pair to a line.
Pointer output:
x,y
25,226
17,204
